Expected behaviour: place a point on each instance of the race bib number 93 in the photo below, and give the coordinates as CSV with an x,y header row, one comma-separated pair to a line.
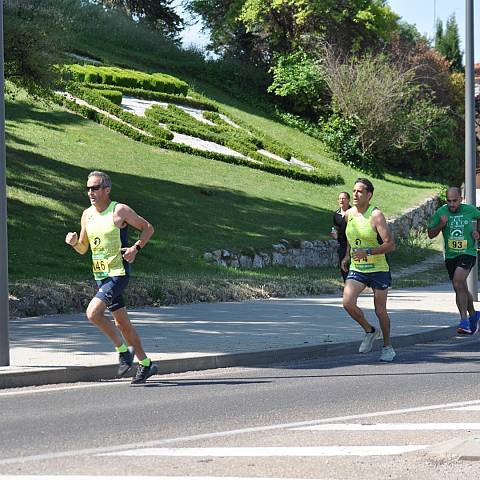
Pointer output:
x,y
457,244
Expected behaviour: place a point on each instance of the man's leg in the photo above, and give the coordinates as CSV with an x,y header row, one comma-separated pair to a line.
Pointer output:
x,y
380,301
96,315
351,293
128,331
463,297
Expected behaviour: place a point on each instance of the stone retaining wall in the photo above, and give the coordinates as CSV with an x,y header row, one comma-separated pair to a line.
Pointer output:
x,y
315,253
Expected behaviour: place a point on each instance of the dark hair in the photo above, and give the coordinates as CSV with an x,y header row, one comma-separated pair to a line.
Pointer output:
x,y
345,193
367,183
457,190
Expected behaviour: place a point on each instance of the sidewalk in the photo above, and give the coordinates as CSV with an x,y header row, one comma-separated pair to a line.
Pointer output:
x,y
66,348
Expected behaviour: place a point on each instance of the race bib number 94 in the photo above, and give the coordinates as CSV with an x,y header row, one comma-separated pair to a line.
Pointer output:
x,y
457,244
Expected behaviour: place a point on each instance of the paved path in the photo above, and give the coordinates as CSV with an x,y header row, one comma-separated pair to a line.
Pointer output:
x,y
66,348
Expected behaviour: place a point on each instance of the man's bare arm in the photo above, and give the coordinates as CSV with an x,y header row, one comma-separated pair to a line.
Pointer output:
x,y
127,215
434,231
79,244
381,226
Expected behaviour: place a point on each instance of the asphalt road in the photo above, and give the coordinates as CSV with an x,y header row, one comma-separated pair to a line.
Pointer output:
x,y
349,417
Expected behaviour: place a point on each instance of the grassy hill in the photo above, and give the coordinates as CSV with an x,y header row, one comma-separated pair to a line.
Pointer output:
x,y
195,203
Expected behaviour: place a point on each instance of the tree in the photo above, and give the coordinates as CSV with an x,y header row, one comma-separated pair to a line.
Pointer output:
x,y
297,77
448,43
34,38
393,121
159,14
284,26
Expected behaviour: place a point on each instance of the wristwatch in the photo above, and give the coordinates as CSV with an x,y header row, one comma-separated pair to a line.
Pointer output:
x,y
138,247
369,252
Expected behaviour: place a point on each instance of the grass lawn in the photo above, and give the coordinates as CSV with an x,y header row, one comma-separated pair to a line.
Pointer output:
x,y
194,203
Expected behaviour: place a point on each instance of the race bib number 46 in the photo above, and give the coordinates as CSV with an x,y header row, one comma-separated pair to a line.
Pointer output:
x,y
457,244
100,266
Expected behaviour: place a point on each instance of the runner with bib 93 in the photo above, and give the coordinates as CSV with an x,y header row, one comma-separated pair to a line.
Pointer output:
x,y
455,220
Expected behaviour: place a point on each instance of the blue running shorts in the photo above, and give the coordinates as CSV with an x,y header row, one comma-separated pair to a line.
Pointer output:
x,y
374,280
110,291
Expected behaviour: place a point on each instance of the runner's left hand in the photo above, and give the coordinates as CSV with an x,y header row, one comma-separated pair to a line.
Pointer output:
x,y
129,254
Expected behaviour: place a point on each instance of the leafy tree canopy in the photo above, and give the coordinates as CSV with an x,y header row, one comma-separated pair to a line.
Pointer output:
x,y
159,14
34,38
448,43
261,28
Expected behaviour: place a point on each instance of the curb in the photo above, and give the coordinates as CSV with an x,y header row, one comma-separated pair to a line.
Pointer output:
x,y
45,376
467,449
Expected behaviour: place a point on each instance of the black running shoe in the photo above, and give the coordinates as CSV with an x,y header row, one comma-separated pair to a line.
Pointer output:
x,y
125,361
143,373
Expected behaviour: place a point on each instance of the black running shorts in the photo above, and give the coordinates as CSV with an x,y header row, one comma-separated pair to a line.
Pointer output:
x,y
463,261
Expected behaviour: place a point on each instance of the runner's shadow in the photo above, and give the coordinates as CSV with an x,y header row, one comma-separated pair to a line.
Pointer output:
x,y
170,383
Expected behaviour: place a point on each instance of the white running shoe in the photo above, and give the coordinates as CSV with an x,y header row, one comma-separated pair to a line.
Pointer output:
x,y
367,342
388,354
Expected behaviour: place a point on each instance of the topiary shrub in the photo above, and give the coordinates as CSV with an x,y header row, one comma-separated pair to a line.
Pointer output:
x,y
113,95
125,78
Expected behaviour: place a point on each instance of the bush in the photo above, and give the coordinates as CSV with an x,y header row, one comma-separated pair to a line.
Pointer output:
x,y
179,121
267,166
105,104
198,102
340,136
34,38
125,78
298,79
113,95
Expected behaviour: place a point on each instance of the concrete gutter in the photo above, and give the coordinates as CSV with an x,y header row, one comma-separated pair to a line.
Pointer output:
x,y
29,376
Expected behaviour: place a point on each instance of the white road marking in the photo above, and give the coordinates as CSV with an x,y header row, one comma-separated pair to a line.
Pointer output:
x,y
29,391
206,436
361,427
471,408
329,451
134,477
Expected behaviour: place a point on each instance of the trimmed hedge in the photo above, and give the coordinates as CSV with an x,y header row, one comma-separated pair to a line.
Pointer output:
x,y
216,119
99,101
179,121
271,167
113,95
203,104
121,77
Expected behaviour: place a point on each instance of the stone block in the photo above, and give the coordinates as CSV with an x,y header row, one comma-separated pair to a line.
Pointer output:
x,y
278,258
245,261
208,257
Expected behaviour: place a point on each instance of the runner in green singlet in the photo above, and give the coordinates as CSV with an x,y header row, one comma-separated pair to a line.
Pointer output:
x,y
455,221
369,239
104,231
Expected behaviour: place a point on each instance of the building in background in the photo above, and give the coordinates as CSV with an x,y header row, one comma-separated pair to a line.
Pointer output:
x,y
477,81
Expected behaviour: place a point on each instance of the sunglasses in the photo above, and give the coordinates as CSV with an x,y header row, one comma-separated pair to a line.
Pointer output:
x,y
94,188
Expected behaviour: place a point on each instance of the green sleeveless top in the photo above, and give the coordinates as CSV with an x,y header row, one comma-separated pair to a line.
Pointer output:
x,y
106,241
360,234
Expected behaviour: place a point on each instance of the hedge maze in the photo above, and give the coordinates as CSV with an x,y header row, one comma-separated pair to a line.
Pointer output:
x,y
102,88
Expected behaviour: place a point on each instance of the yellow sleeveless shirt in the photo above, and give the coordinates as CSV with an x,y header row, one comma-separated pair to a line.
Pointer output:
x,y
106,241
361,235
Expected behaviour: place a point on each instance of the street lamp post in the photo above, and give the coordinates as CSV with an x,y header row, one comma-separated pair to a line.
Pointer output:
x,y
470,139
4,314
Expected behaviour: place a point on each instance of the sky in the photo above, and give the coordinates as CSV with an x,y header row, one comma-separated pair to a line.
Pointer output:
x,y
422,13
